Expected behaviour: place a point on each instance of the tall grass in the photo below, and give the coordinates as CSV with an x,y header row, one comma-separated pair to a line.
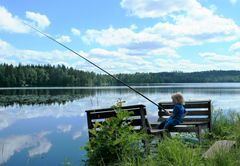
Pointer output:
x,y
174,152
226,125
225,158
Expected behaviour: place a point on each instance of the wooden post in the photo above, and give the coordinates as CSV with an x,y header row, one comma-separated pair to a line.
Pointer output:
x,y
210,116
144,127
199,133
143,119
89,122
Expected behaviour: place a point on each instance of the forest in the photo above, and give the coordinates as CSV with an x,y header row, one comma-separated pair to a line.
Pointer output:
x,y
60,75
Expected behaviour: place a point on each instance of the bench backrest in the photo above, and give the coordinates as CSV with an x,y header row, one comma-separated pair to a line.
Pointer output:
x,y
139,115
197,111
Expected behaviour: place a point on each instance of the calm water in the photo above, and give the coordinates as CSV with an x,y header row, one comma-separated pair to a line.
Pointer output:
x,y
48,126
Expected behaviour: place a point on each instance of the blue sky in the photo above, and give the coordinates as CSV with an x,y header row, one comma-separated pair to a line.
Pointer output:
x,y
124,36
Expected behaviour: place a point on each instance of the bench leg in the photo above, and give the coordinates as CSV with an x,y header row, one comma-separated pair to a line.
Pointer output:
x,y
165,133
199,133
168,134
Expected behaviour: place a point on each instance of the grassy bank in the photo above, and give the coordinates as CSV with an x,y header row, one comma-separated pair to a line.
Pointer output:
x,y
114,145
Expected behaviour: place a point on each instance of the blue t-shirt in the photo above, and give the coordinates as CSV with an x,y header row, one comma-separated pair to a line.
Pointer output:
x,y
178,112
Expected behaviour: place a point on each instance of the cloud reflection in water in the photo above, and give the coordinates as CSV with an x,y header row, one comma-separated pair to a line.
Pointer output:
x,y
37,143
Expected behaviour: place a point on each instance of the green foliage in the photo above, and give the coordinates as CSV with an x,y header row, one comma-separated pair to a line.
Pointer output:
x,y
174,152
226,125
114,140
47,76
224,158
169,152
114,145
60,75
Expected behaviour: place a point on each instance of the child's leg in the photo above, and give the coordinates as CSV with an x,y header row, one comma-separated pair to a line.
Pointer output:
x,y
170,124
162,124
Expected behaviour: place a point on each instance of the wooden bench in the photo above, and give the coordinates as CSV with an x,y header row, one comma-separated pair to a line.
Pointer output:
x,y
198,116
140,121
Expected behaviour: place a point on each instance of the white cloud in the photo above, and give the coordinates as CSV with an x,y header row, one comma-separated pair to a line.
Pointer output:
x,y
181,65
188,30
10,145
11,23
235,47
223,62
8,118
76,135
75,31
43,147
196,27
41,20
64,39
5,48
191,24
165,52
64,128
155,8
110,36
5,120
213,8
118,61
233,1
10,54
122,60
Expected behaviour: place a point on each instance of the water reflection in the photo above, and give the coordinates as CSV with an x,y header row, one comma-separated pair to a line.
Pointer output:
x,y
52,122
10,115
11,97
64,128
36,143
76,135
41,96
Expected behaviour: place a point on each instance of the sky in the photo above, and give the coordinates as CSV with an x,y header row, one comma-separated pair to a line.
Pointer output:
x,y
123,36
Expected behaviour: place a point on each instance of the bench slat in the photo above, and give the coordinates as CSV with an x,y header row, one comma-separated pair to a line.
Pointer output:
x,y
196,105
188,102
197,113
112,113
191,119
124,107
133,122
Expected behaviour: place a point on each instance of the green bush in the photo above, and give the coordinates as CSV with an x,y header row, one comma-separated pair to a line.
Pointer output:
x,y
114,140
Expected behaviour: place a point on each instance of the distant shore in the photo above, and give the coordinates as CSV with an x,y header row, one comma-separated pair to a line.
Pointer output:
x,y
62,76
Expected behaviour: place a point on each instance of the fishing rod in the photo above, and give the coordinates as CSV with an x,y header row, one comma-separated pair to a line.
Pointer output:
x,y
54,40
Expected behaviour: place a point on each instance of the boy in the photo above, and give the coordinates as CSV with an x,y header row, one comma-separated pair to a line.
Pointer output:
x,y
178,113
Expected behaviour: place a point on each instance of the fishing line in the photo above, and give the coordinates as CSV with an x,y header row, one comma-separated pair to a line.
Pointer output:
x,y
51,38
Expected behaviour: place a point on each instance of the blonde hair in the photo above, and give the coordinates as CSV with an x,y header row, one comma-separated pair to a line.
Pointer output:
x,y
178,98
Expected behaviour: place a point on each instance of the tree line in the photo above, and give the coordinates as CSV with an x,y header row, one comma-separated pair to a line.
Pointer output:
x,y
60,75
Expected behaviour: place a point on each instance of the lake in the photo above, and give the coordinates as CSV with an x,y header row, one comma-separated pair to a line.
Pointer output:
x,y
47,126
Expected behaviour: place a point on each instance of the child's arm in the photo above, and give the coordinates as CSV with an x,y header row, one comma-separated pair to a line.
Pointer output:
x,y
175,109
